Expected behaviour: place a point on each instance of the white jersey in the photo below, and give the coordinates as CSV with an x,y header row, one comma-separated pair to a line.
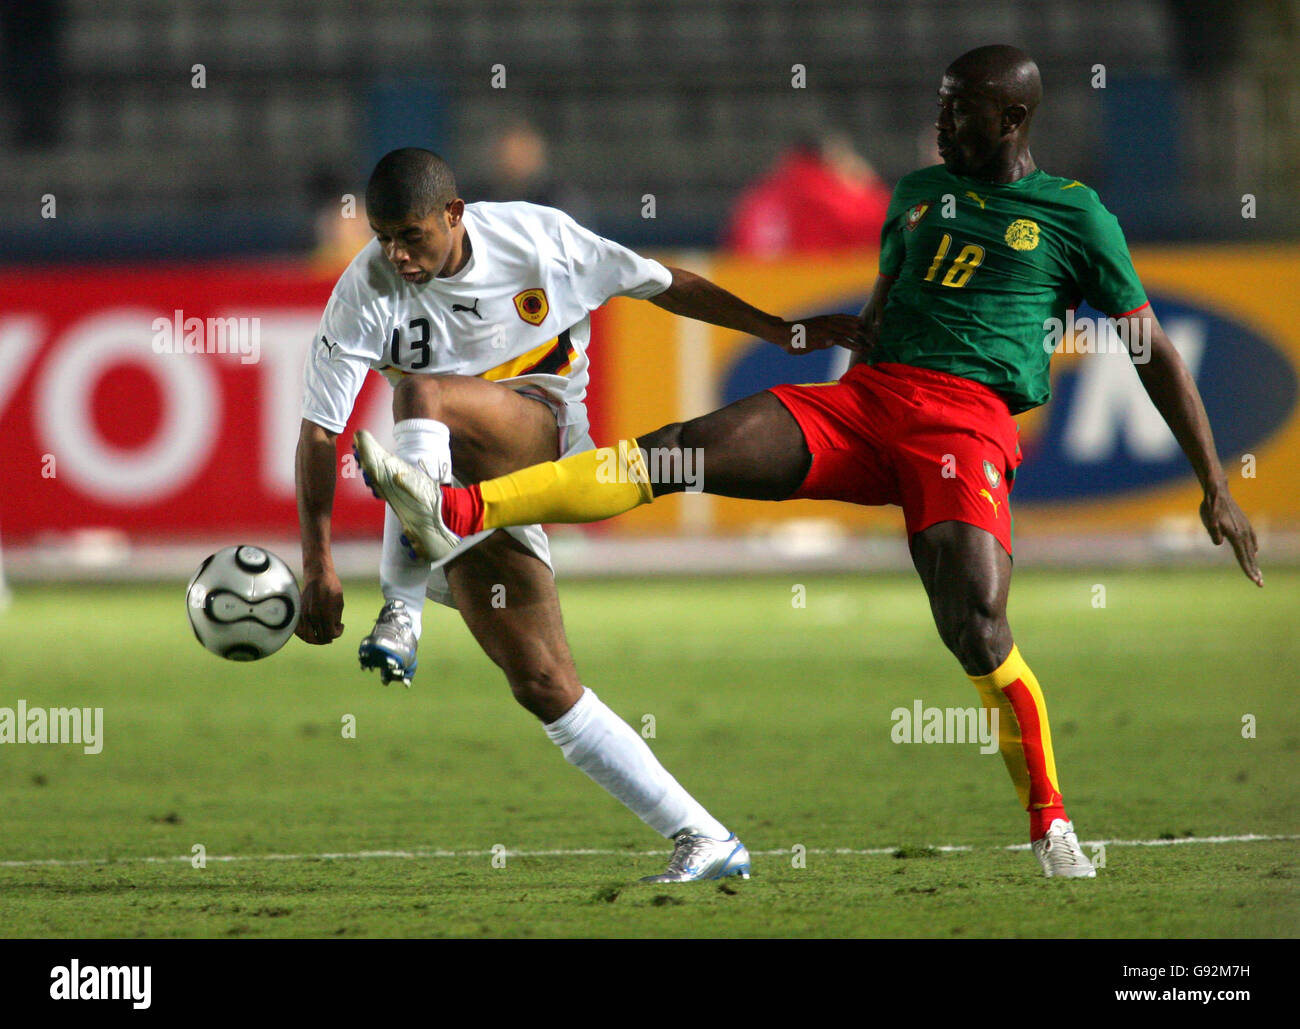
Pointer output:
x,y
517,313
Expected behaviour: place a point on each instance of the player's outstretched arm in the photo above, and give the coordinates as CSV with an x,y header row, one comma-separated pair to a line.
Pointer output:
x,y
1171,388
693,296
322,594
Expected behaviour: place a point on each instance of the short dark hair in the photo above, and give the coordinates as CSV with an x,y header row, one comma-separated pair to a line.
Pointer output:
x,y
409,183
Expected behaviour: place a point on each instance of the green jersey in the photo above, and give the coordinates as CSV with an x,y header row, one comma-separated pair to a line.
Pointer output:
x,y
980,267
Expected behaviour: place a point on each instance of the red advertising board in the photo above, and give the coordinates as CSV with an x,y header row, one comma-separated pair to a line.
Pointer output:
x,y
108,421
165,401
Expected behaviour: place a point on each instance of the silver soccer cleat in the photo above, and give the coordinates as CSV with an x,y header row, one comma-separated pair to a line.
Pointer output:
x,y
697,858
414,495
391,645
1060,854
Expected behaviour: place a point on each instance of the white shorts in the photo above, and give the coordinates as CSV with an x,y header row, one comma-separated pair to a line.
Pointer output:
x,y
574,437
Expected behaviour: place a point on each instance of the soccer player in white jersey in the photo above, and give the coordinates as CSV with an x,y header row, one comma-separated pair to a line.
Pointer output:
x,y
478,314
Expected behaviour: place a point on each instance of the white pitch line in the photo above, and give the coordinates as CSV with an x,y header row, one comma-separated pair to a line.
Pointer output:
x,y
410,855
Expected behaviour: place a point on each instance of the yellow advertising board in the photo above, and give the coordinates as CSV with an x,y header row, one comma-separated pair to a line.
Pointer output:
x,y
1097,456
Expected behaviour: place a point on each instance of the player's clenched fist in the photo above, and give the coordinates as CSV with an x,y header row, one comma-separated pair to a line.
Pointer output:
x,y
322,609
826,330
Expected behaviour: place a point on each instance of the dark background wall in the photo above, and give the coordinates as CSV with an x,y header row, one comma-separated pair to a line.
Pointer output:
x,y
685,100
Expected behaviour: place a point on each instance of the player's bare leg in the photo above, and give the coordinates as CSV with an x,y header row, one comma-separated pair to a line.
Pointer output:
x,y
967,576
494,429
753,449
508,600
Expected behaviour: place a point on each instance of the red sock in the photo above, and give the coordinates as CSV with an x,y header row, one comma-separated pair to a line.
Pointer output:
x,y
462,510
1041,820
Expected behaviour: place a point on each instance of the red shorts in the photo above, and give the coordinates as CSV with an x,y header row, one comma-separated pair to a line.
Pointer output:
x,y
941,447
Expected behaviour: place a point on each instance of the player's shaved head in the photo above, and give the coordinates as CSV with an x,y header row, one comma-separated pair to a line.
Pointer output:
x,y
1004,74
986,100
410,183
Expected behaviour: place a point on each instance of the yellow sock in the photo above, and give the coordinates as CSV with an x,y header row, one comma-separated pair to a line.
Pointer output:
x,y
586,487
1024,737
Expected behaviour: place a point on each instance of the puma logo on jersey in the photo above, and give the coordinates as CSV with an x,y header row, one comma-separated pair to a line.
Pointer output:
x,y
989,497
976,197
329,347
1076,182
472,310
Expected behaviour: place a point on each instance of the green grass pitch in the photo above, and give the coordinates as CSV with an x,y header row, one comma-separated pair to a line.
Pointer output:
x,y
777,717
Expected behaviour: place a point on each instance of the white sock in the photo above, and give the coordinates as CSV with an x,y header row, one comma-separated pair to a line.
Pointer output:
x,y
400,578
425,442
611,753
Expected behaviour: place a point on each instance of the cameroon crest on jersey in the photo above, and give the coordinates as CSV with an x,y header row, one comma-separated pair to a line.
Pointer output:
x,y
915,215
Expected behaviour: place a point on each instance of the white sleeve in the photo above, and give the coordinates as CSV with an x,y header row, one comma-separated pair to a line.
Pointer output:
x,y
600,268
337,362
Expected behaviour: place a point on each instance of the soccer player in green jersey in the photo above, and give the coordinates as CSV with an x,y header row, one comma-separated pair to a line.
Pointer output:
x,y
978,256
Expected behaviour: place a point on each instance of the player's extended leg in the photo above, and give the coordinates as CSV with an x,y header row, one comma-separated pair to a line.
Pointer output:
x,y
753,449
967,576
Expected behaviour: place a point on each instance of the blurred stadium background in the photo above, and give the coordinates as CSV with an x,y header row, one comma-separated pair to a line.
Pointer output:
x,y
196,159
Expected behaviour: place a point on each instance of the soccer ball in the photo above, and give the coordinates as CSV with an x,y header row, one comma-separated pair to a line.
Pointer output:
x,y
243,603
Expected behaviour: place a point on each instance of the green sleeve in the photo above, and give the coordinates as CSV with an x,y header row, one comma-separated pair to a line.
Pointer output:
x,y
1105,273
892,250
